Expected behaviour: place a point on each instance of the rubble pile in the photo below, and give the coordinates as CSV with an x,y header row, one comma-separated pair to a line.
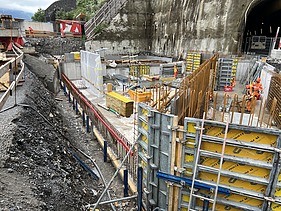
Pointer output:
x,y
48,176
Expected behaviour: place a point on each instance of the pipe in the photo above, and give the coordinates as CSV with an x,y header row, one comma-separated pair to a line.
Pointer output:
x,y
139,187
115,174
115,200
84,165
105,152
90,106
188,182
126,187
99,171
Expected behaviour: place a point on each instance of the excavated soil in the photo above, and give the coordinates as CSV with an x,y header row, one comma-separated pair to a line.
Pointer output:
x,y
38,170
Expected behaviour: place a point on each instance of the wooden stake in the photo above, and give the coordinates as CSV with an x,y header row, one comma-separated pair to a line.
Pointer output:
x,y
242,109
224,104
215,105
233,105
262,101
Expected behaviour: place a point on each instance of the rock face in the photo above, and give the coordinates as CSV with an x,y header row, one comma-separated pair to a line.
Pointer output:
x,y
128,32
50,78
56,46
65,5
173,27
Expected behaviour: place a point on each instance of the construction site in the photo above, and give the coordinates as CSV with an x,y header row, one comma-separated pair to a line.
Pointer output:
x,y
142,118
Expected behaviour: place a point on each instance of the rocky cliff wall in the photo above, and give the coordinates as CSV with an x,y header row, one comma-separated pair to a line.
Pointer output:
x,y
65,5
128,32
56,46
177,26
206,25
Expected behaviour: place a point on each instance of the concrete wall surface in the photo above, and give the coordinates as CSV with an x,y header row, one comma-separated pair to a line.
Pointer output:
x,y
173,27
72,70
128,32
40,26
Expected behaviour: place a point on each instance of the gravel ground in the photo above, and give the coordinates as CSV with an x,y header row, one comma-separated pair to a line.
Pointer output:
x,y
37,167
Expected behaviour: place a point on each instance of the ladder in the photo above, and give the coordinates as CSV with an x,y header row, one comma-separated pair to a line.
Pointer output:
x,y
192,194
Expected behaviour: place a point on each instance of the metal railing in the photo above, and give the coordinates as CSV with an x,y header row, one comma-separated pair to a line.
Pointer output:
x,y
108,11
117,142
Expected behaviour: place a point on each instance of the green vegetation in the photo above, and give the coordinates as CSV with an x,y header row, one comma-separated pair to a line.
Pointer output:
x,y
87,7
39,15
100,28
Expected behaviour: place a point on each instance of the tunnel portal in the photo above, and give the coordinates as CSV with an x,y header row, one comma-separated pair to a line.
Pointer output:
x,y
261,27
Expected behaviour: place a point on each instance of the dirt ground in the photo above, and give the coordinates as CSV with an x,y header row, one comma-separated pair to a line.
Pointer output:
x,y
38,171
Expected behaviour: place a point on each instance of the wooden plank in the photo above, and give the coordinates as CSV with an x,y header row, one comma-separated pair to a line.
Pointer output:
x,y
11,88
172,167
119,103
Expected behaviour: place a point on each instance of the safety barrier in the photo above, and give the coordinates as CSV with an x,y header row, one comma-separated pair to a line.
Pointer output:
x,y
12,65
92,117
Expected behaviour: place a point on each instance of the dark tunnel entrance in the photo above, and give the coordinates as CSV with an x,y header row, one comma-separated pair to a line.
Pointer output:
x,y
261,27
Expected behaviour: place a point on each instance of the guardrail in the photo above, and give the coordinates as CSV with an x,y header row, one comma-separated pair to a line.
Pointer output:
x,y
108,11
117,142
12,64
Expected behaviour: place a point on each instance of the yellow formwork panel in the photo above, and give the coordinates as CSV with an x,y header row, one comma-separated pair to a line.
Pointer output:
x,y
233,182
253,137
275,207
144,113
140,96
236,167
241,199
144,138
239,152
144,126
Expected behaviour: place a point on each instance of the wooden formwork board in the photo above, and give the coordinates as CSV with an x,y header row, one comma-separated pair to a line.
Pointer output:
x,y
250,169
119,103
274,92
5,81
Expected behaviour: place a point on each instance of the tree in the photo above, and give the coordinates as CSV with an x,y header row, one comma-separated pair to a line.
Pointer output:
x,y
39,15
61,14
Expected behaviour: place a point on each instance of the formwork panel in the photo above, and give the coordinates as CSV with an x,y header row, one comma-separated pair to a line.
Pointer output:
x,y
251,165
154,154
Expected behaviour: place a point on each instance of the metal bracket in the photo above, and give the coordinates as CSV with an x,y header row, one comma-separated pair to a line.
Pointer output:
x,y
146,191
175,128
277,150
174,184
180,170
148,157
199,128
269,199
156,127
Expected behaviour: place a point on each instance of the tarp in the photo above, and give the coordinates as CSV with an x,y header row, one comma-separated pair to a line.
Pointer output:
x,y
71,27
92,72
